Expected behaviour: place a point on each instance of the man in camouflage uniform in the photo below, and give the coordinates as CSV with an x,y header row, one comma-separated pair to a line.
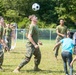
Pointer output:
x,y
8,32
32,47
1,40
61,31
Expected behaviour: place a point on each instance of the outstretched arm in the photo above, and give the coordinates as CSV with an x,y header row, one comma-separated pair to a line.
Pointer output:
x,y
73,61
59,43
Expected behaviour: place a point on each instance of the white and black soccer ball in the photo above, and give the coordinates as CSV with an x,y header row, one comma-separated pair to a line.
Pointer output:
x,y
35,6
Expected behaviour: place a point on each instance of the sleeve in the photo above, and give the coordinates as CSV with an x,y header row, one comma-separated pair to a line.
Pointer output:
x,y
31,30
57,28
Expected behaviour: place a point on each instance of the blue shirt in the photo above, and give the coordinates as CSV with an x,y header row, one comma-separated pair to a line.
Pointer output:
x,y
67,44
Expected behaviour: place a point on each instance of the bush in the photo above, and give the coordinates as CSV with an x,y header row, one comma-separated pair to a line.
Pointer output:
x,y
41,24
23,23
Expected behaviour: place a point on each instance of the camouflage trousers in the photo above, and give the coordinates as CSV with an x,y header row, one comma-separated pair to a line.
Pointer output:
x,y
9,42
1,58
30,50
57,48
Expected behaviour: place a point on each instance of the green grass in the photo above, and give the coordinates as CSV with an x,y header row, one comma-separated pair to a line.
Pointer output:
x,y
49,65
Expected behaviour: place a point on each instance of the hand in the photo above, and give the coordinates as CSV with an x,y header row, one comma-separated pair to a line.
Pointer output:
x,y
36,46
6,48
62,35
71,64
54,49
40,43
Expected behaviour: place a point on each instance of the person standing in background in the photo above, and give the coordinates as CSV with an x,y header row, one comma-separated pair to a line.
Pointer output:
x,y
61,31
8,33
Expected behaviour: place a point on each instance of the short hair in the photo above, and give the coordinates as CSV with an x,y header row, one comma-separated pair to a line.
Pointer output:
x,y
61,19
31,16
70,34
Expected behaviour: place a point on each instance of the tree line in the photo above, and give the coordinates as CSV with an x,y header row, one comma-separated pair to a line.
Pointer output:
x,y
51,11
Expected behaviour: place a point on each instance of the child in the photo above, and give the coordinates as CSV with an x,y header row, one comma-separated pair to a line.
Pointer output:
x,y
67,45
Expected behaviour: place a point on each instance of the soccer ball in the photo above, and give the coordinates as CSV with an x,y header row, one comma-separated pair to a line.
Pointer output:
x,y
35,6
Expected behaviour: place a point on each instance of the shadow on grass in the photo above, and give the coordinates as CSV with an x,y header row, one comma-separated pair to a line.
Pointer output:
x,y
19,52
42,71
8,69
9,65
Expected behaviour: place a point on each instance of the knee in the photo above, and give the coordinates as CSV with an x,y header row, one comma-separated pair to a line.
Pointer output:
x,y
27,59
38,57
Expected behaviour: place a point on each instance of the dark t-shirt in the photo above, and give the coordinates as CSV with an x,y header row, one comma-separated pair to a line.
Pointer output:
x,y
33,30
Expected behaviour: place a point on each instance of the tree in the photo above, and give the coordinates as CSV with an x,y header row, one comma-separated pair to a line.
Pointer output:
x,y
50,11
2,10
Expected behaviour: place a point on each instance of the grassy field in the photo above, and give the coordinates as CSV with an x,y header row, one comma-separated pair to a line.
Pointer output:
x,y
49,65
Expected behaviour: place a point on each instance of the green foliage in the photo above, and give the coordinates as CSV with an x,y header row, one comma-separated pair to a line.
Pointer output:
x,y
23,23
11,13
41,24
2,10
53,25
50,11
